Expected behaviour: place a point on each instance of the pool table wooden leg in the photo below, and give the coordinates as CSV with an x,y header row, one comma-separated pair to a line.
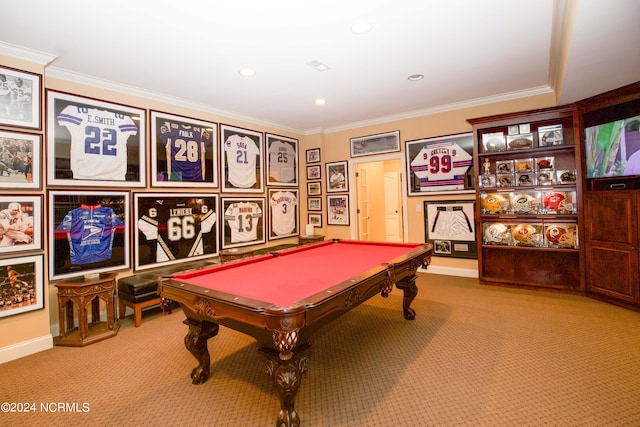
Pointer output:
x,y
408,286
196,343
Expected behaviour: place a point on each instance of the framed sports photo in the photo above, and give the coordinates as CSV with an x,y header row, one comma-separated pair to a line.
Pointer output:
x,y
20,223
440,165
20,160
388,142
315,219
314,172
242,158
20,98
313,155
337,177
94,143
22,289
184,151
243,221
171,228
282,160
88,233
338,210
283,213
314,203
450,228
314,188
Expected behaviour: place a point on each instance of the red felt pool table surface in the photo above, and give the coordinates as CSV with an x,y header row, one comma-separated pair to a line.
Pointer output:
x,y
296,274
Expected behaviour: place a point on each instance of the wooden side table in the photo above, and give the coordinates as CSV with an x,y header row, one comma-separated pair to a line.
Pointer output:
x,y
81,293
314,238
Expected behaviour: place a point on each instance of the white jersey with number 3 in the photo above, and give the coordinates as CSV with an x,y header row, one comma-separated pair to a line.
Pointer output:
x,y
283,212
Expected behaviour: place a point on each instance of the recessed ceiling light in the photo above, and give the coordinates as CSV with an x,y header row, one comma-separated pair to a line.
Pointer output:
x,y
415,77
320,101
247,72
361,28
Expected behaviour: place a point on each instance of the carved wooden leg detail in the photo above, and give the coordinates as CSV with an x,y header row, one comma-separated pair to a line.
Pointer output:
x,y
287,375
408,286
196,343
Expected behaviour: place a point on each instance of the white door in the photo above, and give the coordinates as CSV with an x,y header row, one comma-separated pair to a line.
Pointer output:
x,y
392,207
363,203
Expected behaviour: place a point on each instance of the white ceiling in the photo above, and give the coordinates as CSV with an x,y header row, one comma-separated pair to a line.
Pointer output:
x,y
189,52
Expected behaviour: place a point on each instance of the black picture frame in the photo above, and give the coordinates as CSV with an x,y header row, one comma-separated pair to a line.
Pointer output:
x,y
337,177
338,209
282,160
22,289
25,171
388,142
20,98
243,221
22,230
450,227
313,155
284,213
241,154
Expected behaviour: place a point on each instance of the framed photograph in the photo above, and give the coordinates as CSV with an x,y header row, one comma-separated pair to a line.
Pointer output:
x,y
338,210
440,165
449,227
337,177
314,188
388,142
314,172
241,155
88,233
314,203
184,151
20,98
20,223
171,228
283,213
20,160
94,143
243,221
313,155
22,287
282,160
315,219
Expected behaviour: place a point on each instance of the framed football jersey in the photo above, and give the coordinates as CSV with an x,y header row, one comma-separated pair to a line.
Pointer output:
x,y
243,221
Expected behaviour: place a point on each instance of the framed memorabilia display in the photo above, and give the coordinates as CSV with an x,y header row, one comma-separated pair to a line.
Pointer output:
x,y
337,177
241,155
338,210
171,228
314,188
314,203
243,221
283,213
184,152
449,227
20,98
440,165
20,223
94,143
88,233
282,160
314,172
315,219
313,155
20,160
388,142
22,289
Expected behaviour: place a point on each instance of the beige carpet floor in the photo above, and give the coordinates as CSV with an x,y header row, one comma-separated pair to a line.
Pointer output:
x,y
474,356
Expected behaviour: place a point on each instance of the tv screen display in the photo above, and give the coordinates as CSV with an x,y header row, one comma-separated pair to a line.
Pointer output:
x,y
613,148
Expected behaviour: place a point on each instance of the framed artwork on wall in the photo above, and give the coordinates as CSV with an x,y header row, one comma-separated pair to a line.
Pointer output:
x,y
314,172
242,159
388,142
313,155
243,221
450,228
337,177
20,160
314,203
94,143
184,151
338,209
440,165
22,290
88,233
282,160
283,213
314,188
20,98
20,223
315,219
171,228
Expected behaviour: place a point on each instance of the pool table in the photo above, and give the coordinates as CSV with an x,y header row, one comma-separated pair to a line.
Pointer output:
x,y
281,298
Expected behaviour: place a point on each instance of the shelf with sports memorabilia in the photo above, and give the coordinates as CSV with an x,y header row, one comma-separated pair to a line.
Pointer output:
x,y
527,167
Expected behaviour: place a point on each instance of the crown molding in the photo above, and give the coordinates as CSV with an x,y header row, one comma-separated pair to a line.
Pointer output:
x,y
30,55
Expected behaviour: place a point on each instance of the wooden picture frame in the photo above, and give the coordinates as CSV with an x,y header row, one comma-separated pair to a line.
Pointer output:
x,y
314,188
75,217
184,151
282,160
388,142
94,143
25,172
313,155
284,213
314,172
22,290
314,203
172,228
243,221
20,223
450,228
20,98
337,177
338,209
314,219
241,154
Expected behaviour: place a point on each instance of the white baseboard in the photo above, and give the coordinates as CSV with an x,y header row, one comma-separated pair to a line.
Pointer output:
x,y
25,348
450,271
